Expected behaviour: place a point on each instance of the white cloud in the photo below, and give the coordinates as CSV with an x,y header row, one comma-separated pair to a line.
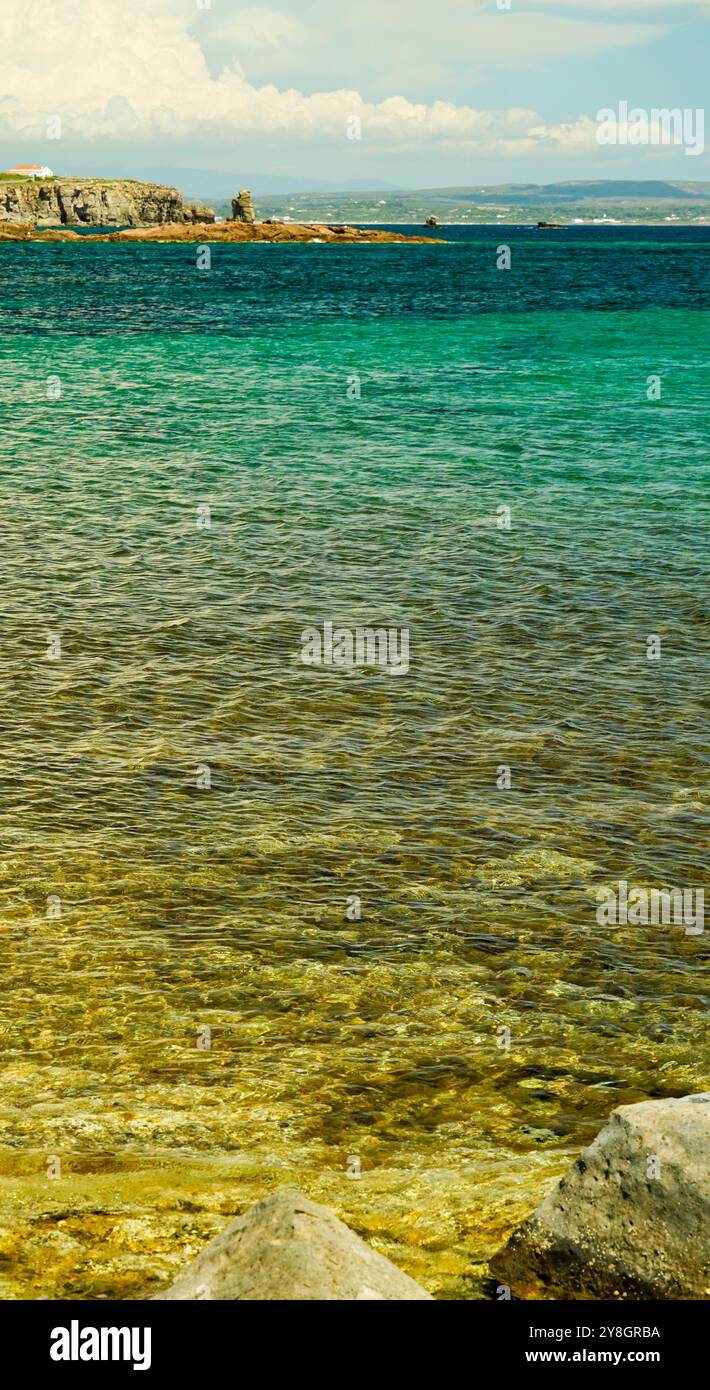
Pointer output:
x,y
412,46
257,30
136,70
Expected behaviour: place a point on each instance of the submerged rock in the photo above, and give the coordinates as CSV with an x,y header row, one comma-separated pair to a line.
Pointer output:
x,y
288,1248
631,1217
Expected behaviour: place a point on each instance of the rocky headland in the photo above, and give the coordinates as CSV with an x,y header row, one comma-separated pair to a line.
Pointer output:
x,y
48,211
80,202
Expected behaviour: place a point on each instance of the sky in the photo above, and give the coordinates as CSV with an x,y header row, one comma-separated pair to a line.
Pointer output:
x,y
408,93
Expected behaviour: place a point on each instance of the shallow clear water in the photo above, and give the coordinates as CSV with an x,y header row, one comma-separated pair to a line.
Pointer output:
x,y
184,907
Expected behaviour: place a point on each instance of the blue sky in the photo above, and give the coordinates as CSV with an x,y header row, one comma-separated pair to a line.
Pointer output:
x,y
445,91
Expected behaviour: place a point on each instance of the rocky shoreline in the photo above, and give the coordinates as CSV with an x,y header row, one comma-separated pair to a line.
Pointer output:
x,y
631,1219
48,211
224,232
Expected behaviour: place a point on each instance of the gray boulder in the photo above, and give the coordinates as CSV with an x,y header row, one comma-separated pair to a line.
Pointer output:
x,y
632,1215
287,1248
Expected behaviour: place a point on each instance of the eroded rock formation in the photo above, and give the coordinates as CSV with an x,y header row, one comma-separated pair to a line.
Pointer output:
x,y
243,207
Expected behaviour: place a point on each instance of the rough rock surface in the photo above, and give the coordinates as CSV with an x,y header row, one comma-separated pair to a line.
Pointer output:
x,y
95,203
16,231
264,231
287,1248
243,207
631,1217
188,231
197,212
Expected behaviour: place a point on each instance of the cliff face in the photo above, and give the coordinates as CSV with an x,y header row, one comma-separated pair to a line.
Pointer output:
x,y
96,203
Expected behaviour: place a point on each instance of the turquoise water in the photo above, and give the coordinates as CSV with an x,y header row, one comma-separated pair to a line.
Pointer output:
x,y
185,907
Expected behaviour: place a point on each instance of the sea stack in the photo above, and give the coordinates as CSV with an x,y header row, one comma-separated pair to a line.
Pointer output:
x,y
243,207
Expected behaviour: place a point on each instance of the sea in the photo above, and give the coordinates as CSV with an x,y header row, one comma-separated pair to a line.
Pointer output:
x,y
267,923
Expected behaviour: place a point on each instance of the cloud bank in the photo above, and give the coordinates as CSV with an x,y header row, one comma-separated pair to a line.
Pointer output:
x,y
144,71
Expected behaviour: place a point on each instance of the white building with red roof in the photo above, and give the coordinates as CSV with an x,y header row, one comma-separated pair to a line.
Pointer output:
x,y
31,171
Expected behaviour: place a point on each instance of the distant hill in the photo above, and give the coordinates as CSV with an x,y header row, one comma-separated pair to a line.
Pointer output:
x,y
575,190
610,200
